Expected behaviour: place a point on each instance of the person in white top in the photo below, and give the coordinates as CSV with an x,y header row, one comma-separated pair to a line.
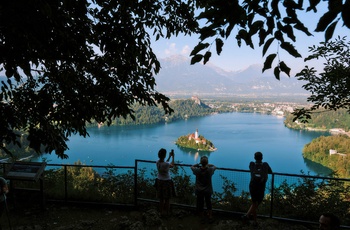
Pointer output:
x,y
165,185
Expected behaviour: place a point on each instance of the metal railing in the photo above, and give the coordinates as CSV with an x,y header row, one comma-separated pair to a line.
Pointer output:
x,y
291,197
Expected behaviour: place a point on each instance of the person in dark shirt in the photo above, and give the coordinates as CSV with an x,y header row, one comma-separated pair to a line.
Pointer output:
x,y
258,176
204,187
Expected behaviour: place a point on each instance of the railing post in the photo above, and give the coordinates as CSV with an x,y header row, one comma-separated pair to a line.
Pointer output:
x,y
65,184
272,194
135,183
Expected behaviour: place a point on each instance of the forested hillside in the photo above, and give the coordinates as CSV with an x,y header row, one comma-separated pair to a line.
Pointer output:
x,y
318,151
183,109
322,119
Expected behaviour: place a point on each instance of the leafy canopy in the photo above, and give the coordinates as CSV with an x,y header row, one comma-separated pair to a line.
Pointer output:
x,y
329,89
271,21
70,62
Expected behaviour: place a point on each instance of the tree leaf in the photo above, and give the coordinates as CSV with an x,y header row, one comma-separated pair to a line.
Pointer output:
x,y
196,58
199,47
274,7
267,45
270,24
268,62
206,32
300,26
255,27
277,72
335,5
262,36
284,68
330,30
325,20
313,4
289,31
290,49
207,56
219,44
346,13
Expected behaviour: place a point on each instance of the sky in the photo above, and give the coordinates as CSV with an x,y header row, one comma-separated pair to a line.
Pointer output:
x,y
234,58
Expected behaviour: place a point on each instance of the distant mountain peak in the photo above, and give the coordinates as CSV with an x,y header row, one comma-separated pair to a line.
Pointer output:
x,y
178,77
175,59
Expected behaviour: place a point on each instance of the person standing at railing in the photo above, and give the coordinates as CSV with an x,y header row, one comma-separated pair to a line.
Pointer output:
x,y
329,221
259,171
204,188
4,190
165,185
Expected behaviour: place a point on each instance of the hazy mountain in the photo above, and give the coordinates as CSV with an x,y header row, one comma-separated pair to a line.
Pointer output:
x,y
177,76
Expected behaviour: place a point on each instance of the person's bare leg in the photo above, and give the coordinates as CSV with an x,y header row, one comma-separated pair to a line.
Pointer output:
x,y
254,209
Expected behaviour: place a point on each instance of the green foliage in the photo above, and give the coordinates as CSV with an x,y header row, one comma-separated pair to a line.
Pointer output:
x,y
263,20
310,197
227,199
318,151
15,152
92,60
184,186
183,109
303,200
330,88
116,187
86,184
87,61
322,119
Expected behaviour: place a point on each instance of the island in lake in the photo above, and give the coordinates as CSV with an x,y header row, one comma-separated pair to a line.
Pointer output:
x,y
195,141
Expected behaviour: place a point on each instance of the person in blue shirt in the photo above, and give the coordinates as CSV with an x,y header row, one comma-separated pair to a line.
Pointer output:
x,y
204,188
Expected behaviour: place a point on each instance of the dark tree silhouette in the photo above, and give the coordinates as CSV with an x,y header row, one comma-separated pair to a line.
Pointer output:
x,y
71,62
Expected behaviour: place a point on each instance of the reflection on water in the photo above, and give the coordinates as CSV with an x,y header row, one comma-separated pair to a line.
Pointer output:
x,y
194,153
316,167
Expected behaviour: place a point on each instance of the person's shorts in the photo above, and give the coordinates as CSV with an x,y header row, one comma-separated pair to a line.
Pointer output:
x,y
165,189
257,192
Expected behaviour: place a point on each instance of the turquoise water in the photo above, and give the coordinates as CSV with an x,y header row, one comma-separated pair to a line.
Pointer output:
x,y
237,136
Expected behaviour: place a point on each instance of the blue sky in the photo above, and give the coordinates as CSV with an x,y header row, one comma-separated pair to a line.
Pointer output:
x,y
234,58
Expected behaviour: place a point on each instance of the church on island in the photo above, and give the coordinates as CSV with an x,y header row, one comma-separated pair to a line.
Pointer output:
x,y
195,141
195,137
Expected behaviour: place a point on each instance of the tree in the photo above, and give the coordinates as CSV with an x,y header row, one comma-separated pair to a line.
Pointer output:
x,y
70,62
269,20
329,89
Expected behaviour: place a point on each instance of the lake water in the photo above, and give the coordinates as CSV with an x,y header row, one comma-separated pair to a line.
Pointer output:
x,y
237,136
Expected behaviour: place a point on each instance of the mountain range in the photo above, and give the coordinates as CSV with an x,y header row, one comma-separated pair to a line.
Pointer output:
x,y
178,77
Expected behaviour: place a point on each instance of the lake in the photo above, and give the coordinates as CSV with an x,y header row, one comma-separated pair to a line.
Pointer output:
x,y
237,136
